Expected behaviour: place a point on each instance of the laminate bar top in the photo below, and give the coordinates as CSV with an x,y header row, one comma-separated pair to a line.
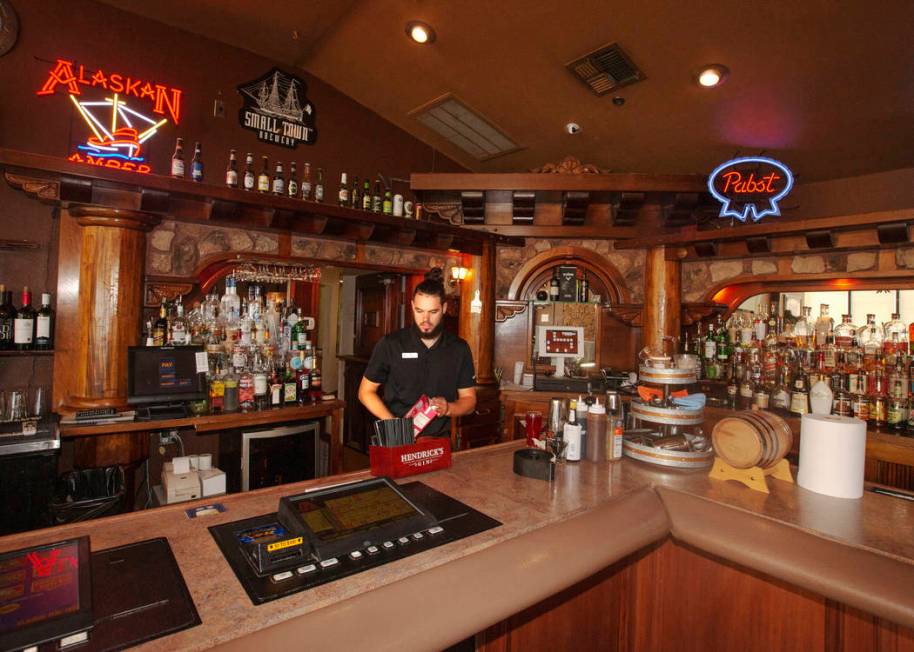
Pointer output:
x,y
209,422
860,552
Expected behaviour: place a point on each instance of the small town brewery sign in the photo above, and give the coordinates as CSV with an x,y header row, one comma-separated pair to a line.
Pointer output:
x,y
750,186
276,109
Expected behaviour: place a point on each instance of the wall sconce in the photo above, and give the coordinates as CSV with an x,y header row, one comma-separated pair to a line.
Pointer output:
x,y
458,274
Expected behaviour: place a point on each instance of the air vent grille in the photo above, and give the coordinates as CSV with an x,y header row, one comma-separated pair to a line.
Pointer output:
x,y
465,128
606,69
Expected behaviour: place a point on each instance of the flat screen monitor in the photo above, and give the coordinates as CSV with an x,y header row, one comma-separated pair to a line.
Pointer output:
x,y
46,593
560,341
163,374
340,519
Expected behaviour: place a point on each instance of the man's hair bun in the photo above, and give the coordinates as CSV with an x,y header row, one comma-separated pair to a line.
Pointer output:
x,y
435,275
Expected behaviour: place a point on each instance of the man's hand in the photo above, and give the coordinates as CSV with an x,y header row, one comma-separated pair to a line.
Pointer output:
x,y
465,403
440,404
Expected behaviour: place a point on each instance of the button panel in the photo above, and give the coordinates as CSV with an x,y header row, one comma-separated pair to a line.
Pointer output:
x,y
279,577
355,555
373,550
304,570
403,541
327,563
436,530
388,545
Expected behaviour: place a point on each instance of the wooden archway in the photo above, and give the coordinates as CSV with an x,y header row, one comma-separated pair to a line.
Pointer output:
x,y
535,271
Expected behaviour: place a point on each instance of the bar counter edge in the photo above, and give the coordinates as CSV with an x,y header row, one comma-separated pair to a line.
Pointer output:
x,y
857,552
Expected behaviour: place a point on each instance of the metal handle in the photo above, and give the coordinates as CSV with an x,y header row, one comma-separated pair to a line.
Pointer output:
x,y
484,412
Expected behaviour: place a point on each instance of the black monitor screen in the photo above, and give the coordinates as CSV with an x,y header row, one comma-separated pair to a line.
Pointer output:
x,y
44,585
164,373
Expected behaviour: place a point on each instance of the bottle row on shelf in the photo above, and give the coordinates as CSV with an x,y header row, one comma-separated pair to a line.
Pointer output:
x,y
310,187
259,352
25,328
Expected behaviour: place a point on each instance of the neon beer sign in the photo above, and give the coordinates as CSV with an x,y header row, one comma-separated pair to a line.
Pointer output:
x,y
750,186
118,125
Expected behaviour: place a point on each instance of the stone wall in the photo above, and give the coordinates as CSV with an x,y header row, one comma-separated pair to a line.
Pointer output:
x,y
700,277
178,248
629,264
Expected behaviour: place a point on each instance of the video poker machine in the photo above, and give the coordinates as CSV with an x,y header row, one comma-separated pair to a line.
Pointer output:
x,y
61,596
328,533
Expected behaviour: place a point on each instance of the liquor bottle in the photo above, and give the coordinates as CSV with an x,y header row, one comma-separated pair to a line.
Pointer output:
x,y
303,378
249,179
896,336
844,333
710,354
824,325
355,199
275,380
263,179
408,211
177,160
279,182
585,288
314,391
306,181
196,165
261,387
180,332
289,385
231,172
388,206
230,304
343,194
160,328
773,320
829,354
571,434
870,336
799,397
7,318
803,330
292,189
246,389
554,286
366,196
24,323
298,334
217,390
230,394
376,197
760,326
319,185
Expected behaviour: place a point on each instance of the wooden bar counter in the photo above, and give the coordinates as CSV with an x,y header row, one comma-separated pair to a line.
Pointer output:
x,y
611,556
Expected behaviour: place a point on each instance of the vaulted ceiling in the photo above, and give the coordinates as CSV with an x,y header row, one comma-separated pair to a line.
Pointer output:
x,y
827,87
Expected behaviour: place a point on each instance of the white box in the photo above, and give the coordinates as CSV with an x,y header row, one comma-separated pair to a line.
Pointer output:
x,y
212,482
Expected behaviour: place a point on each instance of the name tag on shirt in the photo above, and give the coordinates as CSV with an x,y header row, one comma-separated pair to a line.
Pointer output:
x,y
410,354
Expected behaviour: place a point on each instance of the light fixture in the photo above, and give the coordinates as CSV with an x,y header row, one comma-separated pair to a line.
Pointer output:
x,y
421,33
458,274
712,75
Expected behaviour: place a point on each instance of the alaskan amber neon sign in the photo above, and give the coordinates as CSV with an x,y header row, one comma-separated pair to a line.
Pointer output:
x,y
750,186
116,132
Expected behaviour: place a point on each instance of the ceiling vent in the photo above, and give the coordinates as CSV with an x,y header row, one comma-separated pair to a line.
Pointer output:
x,y
456,122
606,69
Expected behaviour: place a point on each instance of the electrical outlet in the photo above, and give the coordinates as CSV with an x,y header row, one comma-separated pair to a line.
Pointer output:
x,y
218,108
166,438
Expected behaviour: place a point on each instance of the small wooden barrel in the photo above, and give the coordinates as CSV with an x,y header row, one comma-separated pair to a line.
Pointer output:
x,y
666,376
673,416
752,438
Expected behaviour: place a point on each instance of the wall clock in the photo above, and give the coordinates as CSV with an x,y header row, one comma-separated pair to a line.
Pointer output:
x,y
9,27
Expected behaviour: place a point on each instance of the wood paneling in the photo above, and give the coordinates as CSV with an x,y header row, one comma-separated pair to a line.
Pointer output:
x,y
670,597
478,328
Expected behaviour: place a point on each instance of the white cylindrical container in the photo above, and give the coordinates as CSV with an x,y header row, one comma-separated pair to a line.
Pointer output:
x,y
398,205
832,455
205,462
518,372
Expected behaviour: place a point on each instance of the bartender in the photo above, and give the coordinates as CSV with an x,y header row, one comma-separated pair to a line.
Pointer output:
x,y
420,359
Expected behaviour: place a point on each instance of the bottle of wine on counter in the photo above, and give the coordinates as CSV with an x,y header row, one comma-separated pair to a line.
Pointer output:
x,y
263,179
343,195
554,286
249,172
279,182
7,317
24,323
231,172
319,185
306,181
196,165
180,332
292,186
177,160
44,324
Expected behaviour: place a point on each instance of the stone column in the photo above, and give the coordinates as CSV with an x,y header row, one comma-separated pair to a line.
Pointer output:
x,y
662,295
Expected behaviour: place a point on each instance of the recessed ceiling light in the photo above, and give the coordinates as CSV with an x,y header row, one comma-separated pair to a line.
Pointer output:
x,y
420,32
712,75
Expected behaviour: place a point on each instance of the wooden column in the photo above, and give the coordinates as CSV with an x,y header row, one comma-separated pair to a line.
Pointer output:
x,y
662,295
100,290
478,328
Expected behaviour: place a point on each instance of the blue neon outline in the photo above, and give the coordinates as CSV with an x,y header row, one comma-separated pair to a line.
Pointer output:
x,y
750,208
89,149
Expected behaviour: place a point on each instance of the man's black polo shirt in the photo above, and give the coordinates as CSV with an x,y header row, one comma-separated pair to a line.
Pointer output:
x,y
408,369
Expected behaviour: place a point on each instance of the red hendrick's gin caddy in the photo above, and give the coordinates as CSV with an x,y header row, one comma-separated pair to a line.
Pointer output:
x,y
427,454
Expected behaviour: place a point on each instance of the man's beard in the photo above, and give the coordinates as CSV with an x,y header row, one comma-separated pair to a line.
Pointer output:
x,y
432,334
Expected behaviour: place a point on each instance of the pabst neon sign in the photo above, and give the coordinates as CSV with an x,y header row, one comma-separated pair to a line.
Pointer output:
x,y
750,187
116,131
